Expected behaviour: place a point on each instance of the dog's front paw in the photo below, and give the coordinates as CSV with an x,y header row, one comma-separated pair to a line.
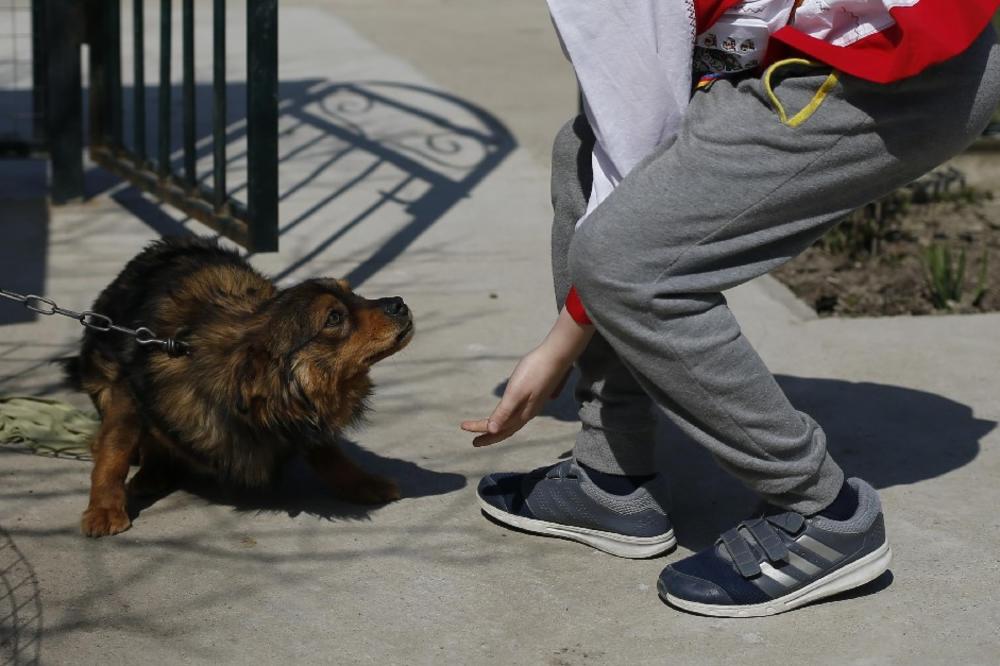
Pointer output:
x,y
370,490
101,521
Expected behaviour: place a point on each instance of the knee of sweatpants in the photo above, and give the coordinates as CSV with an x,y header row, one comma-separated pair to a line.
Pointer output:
x,y
617,275
598,270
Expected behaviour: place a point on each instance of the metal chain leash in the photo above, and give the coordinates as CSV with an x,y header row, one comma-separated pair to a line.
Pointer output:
x,y
95,321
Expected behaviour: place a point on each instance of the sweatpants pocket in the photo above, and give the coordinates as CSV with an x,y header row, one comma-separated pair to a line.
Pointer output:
x,y
800,69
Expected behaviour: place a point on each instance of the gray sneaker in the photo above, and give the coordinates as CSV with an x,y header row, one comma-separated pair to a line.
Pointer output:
x,y
561,501
781,561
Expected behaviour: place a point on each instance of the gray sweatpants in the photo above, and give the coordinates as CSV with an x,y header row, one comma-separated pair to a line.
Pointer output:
x,y
735,195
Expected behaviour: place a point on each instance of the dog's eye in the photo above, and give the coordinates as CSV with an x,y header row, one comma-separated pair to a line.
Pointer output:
x,y
334,319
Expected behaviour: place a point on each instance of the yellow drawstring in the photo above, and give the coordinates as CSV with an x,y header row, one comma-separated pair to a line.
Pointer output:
x,y
810,108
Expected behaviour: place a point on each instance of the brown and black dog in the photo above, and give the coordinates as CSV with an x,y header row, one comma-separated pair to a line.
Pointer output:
x,y
266,374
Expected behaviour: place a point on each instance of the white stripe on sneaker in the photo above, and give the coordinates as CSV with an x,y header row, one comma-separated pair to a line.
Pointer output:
x,y
802,564
777,576
821,549
850,576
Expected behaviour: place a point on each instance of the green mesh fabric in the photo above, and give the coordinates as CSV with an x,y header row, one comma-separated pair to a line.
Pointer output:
x,y
46,427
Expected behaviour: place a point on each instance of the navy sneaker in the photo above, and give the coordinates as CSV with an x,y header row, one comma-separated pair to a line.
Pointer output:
x,y
562,501
781,561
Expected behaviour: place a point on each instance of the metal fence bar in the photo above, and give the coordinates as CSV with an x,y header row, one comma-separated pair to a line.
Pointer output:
x,y
219,105
163,125
139,76
190,172
253,225
262,124
64,121
113,35
39,69
99,98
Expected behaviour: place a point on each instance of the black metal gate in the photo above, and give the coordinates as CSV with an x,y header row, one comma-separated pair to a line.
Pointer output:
x,y
253,224
68,24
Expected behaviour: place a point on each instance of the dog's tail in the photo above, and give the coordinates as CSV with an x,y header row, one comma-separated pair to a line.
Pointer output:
x,y
72,372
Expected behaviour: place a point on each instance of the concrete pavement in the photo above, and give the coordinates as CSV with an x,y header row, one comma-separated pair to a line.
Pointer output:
x,y
425,185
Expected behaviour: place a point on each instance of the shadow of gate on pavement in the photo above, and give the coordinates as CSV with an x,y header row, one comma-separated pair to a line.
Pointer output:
x,y
347,150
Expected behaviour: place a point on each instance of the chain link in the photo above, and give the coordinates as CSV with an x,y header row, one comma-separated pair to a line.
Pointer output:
x,y
95,321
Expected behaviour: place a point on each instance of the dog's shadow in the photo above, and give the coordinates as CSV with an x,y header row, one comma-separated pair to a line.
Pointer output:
x,y
299,490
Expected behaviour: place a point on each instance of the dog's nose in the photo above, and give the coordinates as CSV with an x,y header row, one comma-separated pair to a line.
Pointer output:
x,y
395,307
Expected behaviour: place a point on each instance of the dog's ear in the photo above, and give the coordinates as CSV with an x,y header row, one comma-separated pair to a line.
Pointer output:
x,y
344,284
250,382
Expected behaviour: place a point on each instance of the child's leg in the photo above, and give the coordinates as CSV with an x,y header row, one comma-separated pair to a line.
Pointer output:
x,y
739,193
743,189
617,419
602,496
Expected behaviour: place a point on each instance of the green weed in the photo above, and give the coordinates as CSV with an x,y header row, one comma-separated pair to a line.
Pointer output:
x,y
946,277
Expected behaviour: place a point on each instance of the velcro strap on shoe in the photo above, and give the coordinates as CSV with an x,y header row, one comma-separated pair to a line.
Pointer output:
x,y
768,539
789,521
739,551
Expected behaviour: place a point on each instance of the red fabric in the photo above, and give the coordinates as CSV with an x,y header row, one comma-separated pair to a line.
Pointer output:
x,y
707,12
925,34
574,306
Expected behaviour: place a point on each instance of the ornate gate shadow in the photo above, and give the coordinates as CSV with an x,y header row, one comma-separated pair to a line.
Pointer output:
x,y
348,151
413,148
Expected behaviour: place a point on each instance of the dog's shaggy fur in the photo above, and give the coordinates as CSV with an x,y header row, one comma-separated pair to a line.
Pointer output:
x,y
267,374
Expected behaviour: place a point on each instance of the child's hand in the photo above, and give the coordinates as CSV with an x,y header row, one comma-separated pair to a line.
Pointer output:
x,y
538,377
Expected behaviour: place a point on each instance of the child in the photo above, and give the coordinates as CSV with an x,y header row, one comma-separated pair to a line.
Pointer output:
x,y
804,111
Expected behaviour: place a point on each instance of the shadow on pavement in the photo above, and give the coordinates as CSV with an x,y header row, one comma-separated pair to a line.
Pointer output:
x,y
24,235
423,151
300,491
20,607
887,435
385,147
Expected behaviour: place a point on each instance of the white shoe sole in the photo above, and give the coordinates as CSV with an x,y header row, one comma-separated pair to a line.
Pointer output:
x,y
619,545
853,575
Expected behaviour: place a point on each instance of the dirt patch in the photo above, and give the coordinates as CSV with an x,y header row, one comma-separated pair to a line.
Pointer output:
x,y
906,255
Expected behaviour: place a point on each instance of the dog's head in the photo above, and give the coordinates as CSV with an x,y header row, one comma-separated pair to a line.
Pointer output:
x,y
318,340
